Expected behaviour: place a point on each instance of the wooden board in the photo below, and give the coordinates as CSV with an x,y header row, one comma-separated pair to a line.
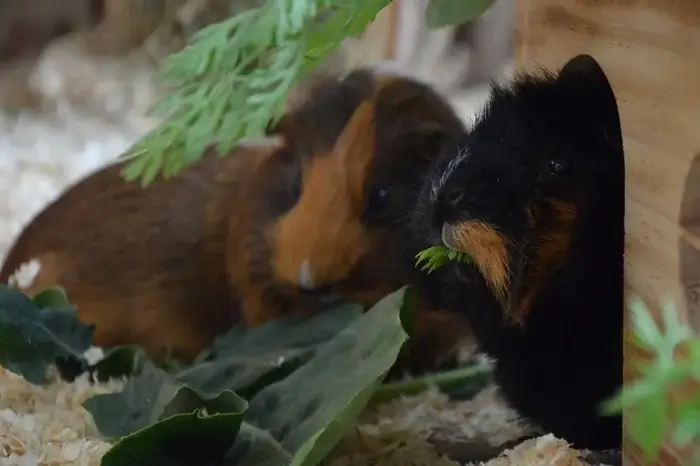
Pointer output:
x,y
650,50
379,37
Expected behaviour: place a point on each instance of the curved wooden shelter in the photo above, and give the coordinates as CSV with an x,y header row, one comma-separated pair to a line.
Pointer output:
x,y
650,50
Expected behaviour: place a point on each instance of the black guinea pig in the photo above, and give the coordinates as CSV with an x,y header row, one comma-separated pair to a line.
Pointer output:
x,y
534,194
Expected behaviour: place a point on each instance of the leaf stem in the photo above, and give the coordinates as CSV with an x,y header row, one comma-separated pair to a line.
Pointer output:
x,y
443,380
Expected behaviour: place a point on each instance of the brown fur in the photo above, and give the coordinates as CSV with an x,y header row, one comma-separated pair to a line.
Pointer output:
x,y
322,228
551,248
516,288
487,248
176,264
131,259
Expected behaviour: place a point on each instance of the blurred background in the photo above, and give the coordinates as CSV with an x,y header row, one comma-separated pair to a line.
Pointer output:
x,y
76,78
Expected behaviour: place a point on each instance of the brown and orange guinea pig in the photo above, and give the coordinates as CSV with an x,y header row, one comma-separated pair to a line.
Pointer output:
x,y
535,195
269,230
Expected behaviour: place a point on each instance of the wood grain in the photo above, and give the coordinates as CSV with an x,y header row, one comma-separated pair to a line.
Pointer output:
x,y
650,50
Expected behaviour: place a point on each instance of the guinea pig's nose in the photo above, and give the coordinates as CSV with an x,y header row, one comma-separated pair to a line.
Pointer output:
x,y
454,197
450,203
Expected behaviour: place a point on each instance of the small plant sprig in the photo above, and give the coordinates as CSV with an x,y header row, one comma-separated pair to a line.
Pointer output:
x,y
435,257
232,79
652,412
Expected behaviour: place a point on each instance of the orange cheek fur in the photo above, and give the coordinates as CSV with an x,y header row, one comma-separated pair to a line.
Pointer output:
x,y
488,249
322,238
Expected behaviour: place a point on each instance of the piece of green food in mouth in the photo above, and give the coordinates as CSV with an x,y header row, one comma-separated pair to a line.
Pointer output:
x,y
435,257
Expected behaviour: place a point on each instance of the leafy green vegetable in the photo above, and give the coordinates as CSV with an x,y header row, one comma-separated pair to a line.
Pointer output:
x,y
470,379
440,13
232,79
688,425
163,422
245,360
163,418
646,400
650,424
51,297
436,256
200,437
32,337
150,396
298,420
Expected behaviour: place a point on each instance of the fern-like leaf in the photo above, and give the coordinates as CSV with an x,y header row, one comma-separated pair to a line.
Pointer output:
x,y
232,79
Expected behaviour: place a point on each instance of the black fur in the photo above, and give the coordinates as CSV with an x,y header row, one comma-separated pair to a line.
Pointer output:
x,y
567,357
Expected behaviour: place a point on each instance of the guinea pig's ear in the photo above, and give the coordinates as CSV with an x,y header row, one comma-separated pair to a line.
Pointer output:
x,y
323,104
409,107
584,81
583,66
297,98
583,77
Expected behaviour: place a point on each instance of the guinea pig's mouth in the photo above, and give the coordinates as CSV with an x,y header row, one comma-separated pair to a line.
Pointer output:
x,y
325,294
486,247
449,237
322,290
319,290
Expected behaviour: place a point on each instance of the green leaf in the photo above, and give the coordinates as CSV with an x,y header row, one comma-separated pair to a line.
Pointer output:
x,y
51,297
694,457
435,257
613,405
441,13
634,393
193,428
233,78
245,360
675,332
409,308
464,382
650,408
138,161
644,326
183,439
32,337
298,420
648,424
694,358
149,396
687,429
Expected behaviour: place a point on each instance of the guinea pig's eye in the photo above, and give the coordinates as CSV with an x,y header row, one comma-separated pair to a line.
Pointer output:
x,y
377,199
557,166
295,187
285,191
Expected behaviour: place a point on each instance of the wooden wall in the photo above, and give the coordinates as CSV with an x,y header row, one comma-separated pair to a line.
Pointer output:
x,y
650,50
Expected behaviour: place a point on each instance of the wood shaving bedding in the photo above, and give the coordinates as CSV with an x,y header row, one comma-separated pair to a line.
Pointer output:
x,y
432,413
48,426
399,432
542,451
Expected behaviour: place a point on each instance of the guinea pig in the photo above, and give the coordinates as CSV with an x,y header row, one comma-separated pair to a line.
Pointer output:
x,y
319,211
534,195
